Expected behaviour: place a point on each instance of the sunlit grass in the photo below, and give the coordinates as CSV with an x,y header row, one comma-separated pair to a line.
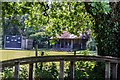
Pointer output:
x,y
13,54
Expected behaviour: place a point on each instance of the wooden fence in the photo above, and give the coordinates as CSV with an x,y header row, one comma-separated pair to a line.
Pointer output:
x,y
111,64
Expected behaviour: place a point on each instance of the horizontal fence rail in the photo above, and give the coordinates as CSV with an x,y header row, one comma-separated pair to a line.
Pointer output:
x,y
59,58
109,62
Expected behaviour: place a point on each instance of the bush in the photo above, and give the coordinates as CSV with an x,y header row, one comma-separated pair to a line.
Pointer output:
x,y
7,73
85,52
23,74
47,72
82,69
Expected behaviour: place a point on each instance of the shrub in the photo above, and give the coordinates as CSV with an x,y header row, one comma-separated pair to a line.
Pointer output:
x,y
7,73
48,72
23,73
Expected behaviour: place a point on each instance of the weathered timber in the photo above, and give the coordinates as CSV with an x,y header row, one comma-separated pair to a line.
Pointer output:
x,y
71,70
61,58
16,73
114,71
41,64
29,60
107,71
0,71
62,70
31,71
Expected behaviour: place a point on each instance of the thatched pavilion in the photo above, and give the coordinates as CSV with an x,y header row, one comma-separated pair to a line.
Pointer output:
x,y
70,42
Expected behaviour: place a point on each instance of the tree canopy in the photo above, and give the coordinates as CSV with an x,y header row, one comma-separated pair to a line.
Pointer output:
x,y
58,17
107,28
102,17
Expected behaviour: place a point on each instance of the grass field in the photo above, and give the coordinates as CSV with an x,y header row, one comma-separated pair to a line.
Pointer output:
x,y
12,54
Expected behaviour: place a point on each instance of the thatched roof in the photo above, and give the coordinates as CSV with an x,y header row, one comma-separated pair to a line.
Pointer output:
x,y
67,35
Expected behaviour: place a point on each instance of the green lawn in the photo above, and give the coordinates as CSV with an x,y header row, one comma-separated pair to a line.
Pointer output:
x,y
12,54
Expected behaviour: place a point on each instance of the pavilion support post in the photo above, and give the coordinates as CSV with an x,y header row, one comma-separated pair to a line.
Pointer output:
x,y
114,71
63,43
56,45
107,71
60,44
31,71
71,45
68,44
62,70
16,73
71,70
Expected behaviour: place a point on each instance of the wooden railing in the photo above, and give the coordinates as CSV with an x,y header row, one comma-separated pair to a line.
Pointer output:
x,y
109,62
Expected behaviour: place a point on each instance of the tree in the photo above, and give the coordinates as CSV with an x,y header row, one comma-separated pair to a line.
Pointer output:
x,y
70,16
106,27
73,16
102,17
26,18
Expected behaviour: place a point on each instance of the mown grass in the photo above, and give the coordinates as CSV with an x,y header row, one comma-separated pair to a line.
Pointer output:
x,y
13,54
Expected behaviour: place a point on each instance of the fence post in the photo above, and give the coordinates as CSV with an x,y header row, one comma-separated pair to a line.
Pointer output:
x,y
62,70
31,71
107,71
114,71
0,72
41,64
71,70
16,73
74,53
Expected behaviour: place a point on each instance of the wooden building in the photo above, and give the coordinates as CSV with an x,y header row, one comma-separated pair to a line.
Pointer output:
x,y
71,42
17,42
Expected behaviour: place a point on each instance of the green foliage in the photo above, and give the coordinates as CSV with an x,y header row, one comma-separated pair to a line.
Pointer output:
x,y
37,35
100,8
53,41
70,16
12,25
23,72
7,73
57,16
37,17
98,72
32,18
85,52
32,12
84,70
48,71
106,27
41,38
